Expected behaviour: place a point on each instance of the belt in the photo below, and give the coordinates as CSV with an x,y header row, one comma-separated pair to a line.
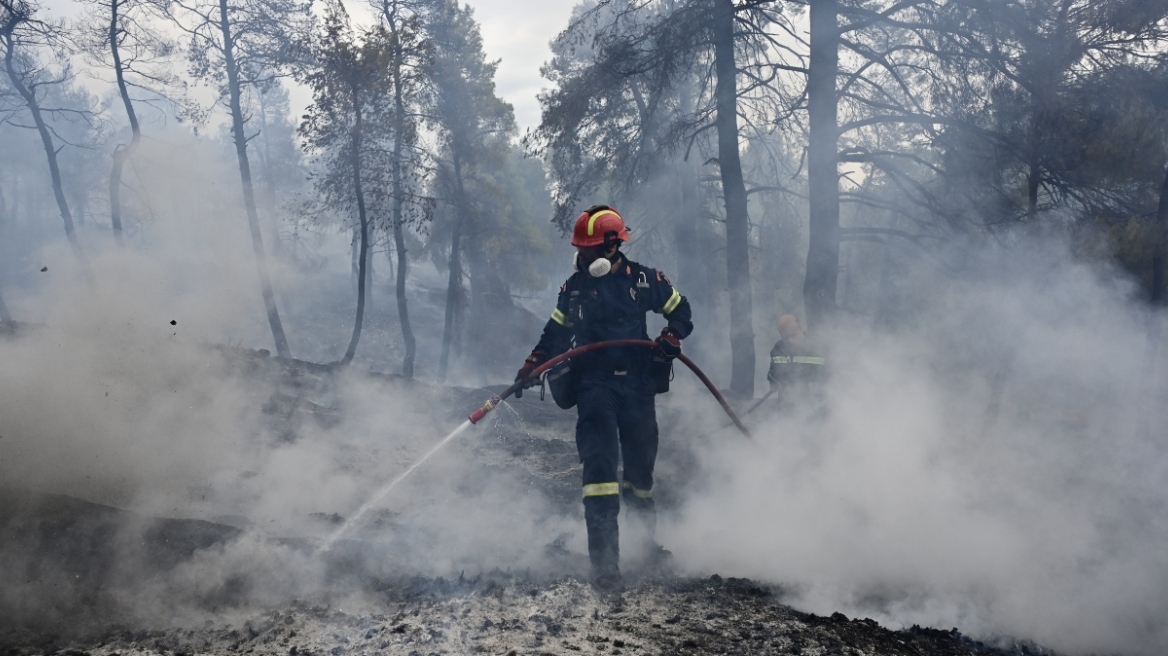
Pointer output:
x,y
624,373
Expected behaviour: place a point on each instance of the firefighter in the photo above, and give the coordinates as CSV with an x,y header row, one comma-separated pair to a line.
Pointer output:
x,y
798,370
608,298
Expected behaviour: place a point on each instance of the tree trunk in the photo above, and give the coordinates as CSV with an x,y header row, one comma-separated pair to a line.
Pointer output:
x,y
686,206
355,260
80,204
1158,272
277,247
399,121
4,315
403,312
883,317
1160,249
4,217
34,109
363,258
121,154
1032,183
819,284
1150,397
253,222
734,192
454,285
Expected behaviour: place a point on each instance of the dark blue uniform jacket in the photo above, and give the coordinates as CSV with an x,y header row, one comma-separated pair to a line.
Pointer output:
x,y
613,307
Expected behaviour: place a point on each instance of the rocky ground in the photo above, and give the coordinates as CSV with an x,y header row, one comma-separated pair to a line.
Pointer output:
x,y
86,579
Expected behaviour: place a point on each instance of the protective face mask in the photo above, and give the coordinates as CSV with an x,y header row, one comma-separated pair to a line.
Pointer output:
x,y
600,267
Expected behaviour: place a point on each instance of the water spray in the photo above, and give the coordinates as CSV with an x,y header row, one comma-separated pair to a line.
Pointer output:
x,y
494,402
384,492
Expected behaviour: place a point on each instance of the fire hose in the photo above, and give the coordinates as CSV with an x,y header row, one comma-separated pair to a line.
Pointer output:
x,y
494,402
490,405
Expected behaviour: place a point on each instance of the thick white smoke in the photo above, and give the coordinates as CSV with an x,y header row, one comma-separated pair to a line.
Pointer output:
x,y
134,387
996,465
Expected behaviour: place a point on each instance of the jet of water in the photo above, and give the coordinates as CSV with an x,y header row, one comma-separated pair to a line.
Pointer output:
x,y
373,501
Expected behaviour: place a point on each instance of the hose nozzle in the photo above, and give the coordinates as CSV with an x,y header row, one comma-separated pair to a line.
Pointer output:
x,y
490,405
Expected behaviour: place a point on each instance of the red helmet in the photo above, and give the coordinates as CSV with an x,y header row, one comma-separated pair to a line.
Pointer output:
x,y
596,225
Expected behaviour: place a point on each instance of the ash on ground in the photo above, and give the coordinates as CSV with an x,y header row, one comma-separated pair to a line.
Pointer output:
x,y
512,615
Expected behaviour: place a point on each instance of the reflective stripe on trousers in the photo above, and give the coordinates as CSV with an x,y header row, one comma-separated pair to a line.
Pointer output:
x,y
635,491
798,359
601,489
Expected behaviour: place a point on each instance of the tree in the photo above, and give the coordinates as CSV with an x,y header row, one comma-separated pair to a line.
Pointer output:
x,y
21,34
869,62
406,71
638,86
734,194
1028,58
819,286
350,88
238,45
4,314
279,156
1159,295
120,35
472,124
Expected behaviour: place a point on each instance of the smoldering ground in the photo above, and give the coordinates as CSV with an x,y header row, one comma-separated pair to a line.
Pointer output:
x,y
997,464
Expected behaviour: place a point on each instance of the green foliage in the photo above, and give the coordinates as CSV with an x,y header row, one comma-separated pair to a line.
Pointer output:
x,y
268,37
349,83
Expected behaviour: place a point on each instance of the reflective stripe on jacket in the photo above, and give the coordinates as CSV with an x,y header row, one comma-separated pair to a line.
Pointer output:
x,y
612,307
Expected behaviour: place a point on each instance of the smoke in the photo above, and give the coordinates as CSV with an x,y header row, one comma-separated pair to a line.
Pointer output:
x,y
996,465
132,388
108,402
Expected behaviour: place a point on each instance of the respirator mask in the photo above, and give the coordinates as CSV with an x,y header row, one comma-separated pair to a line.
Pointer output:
x,y
593,260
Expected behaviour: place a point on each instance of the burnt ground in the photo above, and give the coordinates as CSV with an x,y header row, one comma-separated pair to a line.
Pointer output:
x,y
83,579
507,615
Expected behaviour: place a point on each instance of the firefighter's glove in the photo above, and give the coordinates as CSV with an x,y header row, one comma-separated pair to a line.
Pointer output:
x,y
534,360
668,344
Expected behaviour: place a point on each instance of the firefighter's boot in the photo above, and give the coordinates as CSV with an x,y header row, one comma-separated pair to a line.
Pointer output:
x,y
600,516
642,517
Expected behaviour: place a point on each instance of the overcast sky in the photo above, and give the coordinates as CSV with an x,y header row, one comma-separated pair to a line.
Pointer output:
x,y
517,32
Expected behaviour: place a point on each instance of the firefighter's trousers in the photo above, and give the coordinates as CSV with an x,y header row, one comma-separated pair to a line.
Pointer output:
x,y
617,421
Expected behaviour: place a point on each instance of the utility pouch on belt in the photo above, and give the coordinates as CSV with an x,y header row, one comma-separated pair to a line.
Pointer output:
x,y
661,372
562,380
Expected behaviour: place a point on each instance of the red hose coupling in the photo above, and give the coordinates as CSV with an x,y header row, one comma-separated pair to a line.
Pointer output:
x,y
487,407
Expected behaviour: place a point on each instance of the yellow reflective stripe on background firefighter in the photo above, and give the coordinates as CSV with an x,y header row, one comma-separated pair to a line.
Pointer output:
x,y
640,494
798,359
601,489
560,317
672,303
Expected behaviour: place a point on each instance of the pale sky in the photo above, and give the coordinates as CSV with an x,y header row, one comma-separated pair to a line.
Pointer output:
x,y
514,31
517,32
